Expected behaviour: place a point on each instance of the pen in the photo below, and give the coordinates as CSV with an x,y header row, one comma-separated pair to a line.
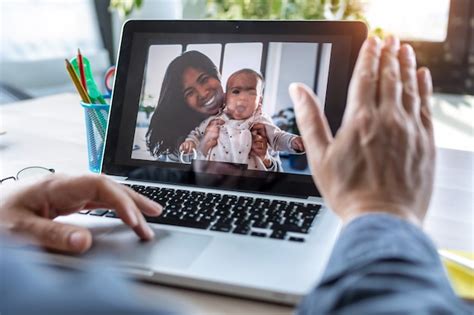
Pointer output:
x,y
81,69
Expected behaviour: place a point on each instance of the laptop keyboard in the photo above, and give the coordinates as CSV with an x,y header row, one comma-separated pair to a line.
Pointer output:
x,y
258,217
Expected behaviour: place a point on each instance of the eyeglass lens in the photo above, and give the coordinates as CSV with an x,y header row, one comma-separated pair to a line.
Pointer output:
x,y
33,172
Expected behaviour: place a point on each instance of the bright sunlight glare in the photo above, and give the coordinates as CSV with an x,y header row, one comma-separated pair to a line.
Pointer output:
x,y
425,20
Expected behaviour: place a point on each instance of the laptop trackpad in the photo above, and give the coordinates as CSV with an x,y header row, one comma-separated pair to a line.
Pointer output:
x,y
169,249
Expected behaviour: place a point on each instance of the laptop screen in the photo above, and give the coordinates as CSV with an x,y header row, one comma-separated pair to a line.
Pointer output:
x,y
213,109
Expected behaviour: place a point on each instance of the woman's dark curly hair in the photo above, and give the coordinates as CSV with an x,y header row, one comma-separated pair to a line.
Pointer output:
x,y
173,119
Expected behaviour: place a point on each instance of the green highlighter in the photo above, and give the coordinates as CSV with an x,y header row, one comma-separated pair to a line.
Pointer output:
x,y
92,89
94,93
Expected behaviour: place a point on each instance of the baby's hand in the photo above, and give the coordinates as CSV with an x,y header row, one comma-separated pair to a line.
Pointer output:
x,y
210,135
297,144
215,123
187,146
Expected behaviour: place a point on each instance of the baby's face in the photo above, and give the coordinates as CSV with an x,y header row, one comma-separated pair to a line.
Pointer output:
x,y
243,95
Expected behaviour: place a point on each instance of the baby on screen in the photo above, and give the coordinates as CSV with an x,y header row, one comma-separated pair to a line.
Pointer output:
x,y
242,109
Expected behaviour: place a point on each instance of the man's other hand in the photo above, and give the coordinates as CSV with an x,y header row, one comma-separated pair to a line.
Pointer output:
x,y
382,157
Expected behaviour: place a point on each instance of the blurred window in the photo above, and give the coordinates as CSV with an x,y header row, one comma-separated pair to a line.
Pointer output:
x,y
36,36
40,29
213,51
159,57
241,55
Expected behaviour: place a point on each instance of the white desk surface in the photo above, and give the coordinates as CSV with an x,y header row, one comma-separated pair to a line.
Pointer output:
x,y
50,132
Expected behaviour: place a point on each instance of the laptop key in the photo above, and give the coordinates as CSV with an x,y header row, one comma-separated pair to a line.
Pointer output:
x,y
191,216
111,214
161,201
98,212
207,217
173,207
242,229
259,234
84,211
279,204
179,222
296,239
291,228
313,209
241,220
278,234
307,223
291,221
230,213
225,221
260,225
221,227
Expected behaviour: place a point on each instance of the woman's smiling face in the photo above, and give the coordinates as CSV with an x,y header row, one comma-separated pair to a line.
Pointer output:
x,y
202,92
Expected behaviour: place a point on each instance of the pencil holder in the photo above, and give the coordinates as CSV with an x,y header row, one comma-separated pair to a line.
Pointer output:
x,y
96,116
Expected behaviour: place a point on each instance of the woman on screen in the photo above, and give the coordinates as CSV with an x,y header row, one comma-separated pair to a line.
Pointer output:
x,y
190,93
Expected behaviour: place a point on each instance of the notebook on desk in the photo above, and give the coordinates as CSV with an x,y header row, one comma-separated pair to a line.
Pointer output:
x,y
241,214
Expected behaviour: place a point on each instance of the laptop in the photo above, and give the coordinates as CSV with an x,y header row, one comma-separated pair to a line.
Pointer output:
x,y
230,226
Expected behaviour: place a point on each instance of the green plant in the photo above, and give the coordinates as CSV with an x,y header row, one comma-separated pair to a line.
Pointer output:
x,y
147,110
125,7
286,9
267,9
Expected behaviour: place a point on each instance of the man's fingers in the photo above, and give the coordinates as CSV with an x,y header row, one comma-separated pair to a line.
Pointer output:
x,y
145,205
411,97
112,195
55,235
390,84
425,86
363,86
311,121
142,229
126,208
73,194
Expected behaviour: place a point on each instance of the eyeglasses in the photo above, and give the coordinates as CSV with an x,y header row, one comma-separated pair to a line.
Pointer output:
x,y
30,172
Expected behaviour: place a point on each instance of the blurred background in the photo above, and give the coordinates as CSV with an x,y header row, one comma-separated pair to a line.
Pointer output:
x,y
36,36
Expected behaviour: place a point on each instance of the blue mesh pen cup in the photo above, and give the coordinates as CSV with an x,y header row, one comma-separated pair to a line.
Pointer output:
x,y
96,116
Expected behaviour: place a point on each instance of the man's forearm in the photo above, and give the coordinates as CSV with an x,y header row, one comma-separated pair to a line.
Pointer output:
x,y
381,263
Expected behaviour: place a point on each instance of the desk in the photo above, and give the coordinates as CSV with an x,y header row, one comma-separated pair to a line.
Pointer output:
x,y
50,132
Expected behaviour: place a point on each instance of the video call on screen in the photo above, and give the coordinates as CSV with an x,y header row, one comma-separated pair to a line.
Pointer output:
x,y
246,101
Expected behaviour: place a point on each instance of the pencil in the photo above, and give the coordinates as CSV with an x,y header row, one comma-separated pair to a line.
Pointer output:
x,y
80,65
85,98
80,89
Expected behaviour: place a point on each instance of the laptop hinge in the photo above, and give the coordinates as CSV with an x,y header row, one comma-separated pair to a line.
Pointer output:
x,y
309,199
315,199
117,178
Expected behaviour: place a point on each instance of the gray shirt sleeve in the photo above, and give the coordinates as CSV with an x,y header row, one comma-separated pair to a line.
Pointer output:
x,y
27,288
383,265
